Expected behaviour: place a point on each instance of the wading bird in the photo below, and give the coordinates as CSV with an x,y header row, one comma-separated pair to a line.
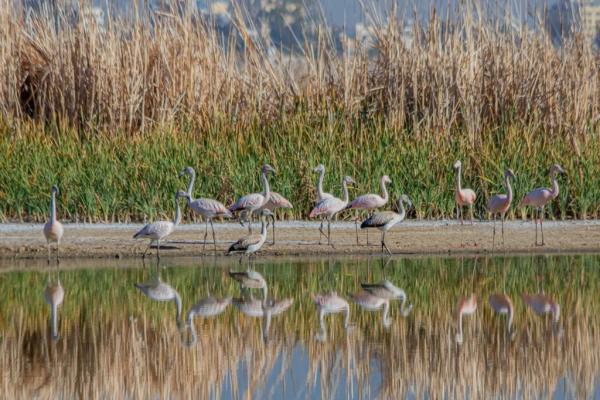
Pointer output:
x,y
264,309
53,229
539,198
207,208
388,291
54,295
250,244
466,306
500,203
370,202
330,303
275,201
250,279
206,308
463,197
502,304
328,208
543,304
369,302
158,290
249,203
385,220
157,231
321,195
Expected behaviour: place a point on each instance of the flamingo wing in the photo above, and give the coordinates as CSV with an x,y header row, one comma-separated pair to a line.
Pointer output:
x,y
248,202
378,219
210,207
367,201
498,203
245,242
155,230
327,207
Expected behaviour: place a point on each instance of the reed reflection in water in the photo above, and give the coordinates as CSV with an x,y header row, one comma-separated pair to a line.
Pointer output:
x,y
116,343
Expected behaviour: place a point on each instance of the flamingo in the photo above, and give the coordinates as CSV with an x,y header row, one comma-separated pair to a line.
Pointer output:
x,y
207,208
206,308
157,231
502,304
543,304
53,229
540,197
330,303
385,220
250,279
321,195
263,309
466,306
330,207
158,290
275,201
254,201
388,291
500,203
463,197
370,202
370,302
54,295
250,244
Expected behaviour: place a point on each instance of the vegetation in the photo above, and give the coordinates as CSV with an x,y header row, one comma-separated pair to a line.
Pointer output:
x,y
112,113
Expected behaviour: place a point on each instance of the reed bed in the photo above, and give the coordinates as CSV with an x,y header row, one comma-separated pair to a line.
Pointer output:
x,y
117,343
111,113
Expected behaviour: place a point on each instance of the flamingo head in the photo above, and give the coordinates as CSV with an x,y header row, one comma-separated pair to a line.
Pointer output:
x,y
557,169
183,194
264,213
404,198
508,173
187,171
386,179
457,164
349,181
319,168
267,168
54,189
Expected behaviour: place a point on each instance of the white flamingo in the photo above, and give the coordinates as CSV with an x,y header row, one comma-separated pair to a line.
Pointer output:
x,y
385,220
54,295
330,207
370,302
158,290
207,307
321,195
500,203
370,202
53,229
462,196
250,279
250,244
207,208
249,203
330,303
265,309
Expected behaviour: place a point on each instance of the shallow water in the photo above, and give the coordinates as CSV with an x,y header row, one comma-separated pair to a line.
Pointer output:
x,y
116,342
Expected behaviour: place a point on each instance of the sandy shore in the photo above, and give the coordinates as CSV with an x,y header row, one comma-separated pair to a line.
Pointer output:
x,y
301,238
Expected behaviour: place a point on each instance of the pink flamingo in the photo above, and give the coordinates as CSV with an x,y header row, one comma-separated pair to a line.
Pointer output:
x,y
500,203
463,197
538,198
250,203
502,304
543,304
321,195
466,306
370,202
275,201
330,207
53,229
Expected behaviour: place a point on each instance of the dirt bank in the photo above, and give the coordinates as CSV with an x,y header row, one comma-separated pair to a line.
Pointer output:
x,y
301,238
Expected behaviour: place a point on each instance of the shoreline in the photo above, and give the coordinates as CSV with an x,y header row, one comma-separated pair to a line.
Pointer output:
x,y
300,238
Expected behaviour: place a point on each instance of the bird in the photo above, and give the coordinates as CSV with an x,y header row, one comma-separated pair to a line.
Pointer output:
x,y
330,303
250,279
206,308
388,291
543,304
207,208
54,295
321,195
462,196
157,231
249,203
540,197
158,290
53,229
500,203
328,208
275,201
466,306
264,309
370,202
502,304
250,244
385,220
370,302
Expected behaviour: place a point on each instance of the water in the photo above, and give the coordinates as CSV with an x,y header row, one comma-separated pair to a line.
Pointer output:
x,y
115,342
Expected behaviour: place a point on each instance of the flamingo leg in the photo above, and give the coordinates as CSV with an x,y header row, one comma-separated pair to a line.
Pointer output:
x,y
494,230
321,232
542,225
368,216
502,216
535,210
249,219
384,245
213,232
58,252
147,248
205,236
273,231
356,229
457,212
158,249
471,212
48,247
329,233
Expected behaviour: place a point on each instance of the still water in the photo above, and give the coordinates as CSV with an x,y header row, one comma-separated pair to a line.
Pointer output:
x,y
211,338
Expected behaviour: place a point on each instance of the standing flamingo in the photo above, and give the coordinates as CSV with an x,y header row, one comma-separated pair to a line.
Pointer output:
x,y
207,208
157,231
206,308
330,303
54,295
500,203
250,244
466,306
543,304
539,198
463,197
53,229
275,201
330,207
385,220
321,195
502,304
249,203
370,202
370,302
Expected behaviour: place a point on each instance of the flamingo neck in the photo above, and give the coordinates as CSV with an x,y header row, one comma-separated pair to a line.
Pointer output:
x,y
346,317
323,333
266,323
384,191
509,192
458,185
510,319
401,209
265,290
266,190
191,183
177,300
386,318
54,319
263,228
346,196
194,338
320,185
460,330
177,219
554,190
404,310
53,207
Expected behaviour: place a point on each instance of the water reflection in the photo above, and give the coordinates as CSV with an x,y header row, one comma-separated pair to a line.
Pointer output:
x,y
542,304
330,303
54,295
206,308
265,309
